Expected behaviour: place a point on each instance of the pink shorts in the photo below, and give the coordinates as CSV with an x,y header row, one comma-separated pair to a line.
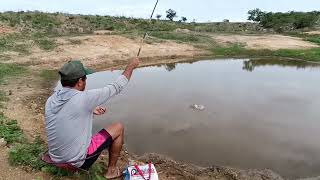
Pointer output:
x,y
99,142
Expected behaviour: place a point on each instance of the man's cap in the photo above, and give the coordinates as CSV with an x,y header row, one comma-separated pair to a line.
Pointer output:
x,y
74,70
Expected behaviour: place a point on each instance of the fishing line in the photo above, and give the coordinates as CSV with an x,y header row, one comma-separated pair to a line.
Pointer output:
x,y
145,34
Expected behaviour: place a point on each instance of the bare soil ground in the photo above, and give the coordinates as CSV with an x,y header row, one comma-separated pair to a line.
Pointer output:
x,y
29,92
105,50
5,29
9,172
272,42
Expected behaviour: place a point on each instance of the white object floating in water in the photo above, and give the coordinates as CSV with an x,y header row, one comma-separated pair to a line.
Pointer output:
x,y
198,107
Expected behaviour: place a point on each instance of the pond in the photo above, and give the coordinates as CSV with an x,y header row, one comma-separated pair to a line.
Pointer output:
x,y
261,113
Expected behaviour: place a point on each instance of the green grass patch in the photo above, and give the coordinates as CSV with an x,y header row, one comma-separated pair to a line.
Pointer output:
x,y
307,37
49,74
3,96
28,155
182,37
314,39
307,54
10,131
97,171
312,54
49,77
22,42
37,20
14,42
44,40
7,70
46,43
237,50
3,99
198,40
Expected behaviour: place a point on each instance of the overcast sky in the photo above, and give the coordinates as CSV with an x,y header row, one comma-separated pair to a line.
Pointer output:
x,y
201,10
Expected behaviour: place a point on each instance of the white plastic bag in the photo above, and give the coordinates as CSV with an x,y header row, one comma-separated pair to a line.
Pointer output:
x,y
145,172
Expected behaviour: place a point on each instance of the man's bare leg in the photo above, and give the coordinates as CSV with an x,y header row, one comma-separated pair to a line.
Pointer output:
x,y
116,130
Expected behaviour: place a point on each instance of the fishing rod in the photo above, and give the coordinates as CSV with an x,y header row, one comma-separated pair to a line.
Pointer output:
x,y
145,34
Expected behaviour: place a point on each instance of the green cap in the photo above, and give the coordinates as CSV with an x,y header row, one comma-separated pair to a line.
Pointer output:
x,y
74,70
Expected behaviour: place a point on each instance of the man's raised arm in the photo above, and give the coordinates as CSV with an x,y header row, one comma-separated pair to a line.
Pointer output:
x,y
134,63
96,97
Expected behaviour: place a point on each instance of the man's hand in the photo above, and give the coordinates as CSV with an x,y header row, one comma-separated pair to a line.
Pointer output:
x,y
99,111
134,63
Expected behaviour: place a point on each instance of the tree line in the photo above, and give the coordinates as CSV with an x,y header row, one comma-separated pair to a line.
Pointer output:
x,y
280,21
171,14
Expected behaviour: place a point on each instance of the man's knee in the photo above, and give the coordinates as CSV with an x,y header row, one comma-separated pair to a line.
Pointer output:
x,y
119,126
115,129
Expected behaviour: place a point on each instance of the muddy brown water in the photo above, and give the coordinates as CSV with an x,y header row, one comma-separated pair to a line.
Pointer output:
x,y
259,113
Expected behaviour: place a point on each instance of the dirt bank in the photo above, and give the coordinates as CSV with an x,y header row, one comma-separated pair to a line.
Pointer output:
x,y
6,30
27,95
272,42
105,50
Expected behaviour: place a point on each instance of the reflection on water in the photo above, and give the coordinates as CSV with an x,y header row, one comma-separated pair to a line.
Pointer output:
x,y
259,113
250,65
170,67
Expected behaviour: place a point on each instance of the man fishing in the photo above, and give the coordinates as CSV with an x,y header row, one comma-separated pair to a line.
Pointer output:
x,y
69,112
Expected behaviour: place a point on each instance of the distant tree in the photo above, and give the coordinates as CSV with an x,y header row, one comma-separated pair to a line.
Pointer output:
x,y
226,21
184,19
255,15
158,16
171,14
302,20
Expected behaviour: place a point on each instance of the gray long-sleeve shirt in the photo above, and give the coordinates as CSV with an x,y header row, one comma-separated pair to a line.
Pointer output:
x,y
68,116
